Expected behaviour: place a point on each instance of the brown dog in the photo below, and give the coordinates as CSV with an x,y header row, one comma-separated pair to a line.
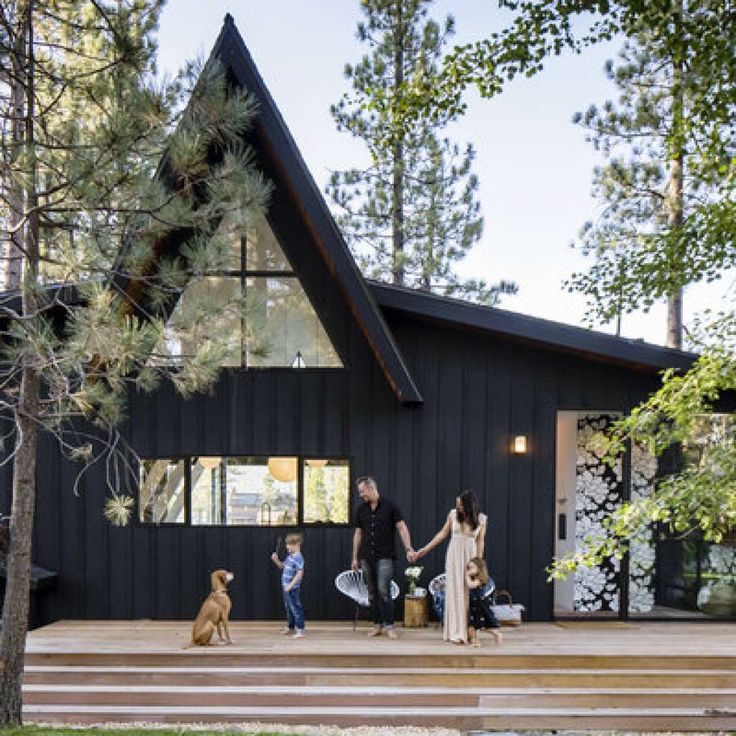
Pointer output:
x,y
214,612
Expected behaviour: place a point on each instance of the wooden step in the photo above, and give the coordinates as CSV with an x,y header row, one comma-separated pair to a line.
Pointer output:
x,y
489,657
653,719
375,676
149,695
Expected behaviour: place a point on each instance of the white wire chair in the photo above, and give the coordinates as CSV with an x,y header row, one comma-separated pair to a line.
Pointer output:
x,y
352,584
437,584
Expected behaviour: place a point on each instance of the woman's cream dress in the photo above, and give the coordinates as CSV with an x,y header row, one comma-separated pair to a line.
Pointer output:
x,y
462,548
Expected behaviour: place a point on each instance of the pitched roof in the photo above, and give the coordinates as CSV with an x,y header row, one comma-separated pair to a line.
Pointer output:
x,y
272,134
521,327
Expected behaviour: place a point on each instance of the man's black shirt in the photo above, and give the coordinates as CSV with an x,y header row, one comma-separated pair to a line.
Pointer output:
x,y
378,528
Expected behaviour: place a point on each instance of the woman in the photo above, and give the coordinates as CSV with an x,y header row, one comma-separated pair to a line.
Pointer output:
x,y
467,529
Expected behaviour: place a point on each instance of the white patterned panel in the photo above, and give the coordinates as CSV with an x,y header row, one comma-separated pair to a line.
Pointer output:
x,y
642,553
597,492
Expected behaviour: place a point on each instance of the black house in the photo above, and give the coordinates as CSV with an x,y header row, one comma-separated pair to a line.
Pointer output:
x,y
427,394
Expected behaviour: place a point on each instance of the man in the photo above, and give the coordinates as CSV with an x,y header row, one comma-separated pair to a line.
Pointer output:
x,y
374,551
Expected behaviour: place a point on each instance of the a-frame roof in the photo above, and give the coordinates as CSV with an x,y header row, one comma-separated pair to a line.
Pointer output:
x,y
274,137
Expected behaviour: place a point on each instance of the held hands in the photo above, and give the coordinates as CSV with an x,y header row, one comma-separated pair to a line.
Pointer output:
x,y
414,555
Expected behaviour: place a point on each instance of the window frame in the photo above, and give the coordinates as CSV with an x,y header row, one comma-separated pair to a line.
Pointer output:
x,y
300,493
243,275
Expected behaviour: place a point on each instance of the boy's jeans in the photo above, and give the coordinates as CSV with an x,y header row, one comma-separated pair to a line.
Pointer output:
x,y
377,575
294,610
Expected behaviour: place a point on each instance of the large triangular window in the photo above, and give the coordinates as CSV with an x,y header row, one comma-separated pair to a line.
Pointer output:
x,y
259,306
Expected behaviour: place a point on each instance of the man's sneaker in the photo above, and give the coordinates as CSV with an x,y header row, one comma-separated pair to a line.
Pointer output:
x,y
375,631
391,634
286,631
298,634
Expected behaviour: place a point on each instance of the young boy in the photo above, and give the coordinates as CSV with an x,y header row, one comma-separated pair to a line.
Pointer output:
x,y
292,573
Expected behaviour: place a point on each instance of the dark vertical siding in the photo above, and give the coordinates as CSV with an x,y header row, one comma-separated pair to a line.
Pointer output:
x,y
479,392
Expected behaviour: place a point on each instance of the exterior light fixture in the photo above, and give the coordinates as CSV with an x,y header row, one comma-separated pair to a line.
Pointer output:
x,y
298,361
519,445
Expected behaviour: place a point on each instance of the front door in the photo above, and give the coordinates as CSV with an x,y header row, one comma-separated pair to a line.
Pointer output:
x,y
587,489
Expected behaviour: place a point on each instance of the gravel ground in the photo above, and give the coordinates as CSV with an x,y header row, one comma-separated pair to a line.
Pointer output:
x,y
251,728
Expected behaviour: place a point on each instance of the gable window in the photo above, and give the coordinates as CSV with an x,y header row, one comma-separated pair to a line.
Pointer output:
x,y
257,302
244,491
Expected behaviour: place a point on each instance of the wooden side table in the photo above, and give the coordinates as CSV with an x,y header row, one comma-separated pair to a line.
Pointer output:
x,y
416,611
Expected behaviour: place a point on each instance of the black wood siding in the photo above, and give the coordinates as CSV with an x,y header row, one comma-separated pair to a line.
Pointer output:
x,y
479,391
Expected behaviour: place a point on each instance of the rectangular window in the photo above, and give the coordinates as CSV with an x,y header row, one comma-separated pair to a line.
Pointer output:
x,y
207,506
162,497
326,491
245,491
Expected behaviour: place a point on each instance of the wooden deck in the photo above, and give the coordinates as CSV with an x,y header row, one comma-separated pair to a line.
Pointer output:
x,y
606,675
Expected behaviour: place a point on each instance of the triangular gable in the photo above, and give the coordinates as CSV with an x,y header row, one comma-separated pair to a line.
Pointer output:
x,y
276,143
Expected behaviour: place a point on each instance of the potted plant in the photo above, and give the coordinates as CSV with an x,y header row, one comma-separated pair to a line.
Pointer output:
x,y
412,577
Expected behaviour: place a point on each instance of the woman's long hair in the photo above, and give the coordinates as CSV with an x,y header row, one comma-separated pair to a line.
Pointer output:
x,y
469,509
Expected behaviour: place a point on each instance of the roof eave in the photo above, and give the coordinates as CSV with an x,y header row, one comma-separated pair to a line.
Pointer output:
x,y
511,325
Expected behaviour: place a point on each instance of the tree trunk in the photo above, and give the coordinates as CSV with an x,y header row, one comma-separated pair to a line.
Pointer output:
x,y
397,200
14,254
675,198
17,592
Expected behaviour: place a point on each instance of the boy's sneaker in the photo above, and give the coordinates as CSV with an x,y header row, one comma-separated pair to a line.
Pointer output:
x,y
286,630
298,634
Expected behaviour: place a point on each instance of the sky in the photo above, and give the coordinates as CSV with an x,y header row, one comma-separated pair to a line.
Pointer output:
x,y
534,165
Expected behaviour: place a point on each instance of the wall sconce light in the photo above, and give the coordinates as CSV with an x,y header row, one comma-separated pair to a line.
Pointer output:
x,y
518,446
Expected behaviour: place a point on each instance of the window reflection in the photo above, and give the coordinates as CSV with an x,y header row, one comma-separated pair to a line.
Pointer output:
x,y
262,316
326,491
284,330
162,496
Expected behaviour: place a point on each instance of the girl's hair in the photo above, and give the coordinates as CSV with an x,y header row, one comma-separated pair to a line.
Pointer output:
x,y
295,538
482,568
469,509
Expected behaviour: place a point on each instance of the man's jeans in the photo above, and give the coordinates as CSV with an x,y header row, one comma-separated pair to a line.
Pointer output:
x,y
294,610
377,575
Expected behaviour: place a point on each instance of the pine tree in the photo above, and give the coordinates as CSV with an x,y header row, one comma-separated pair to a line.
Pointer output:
x,y
413,214
106,175
650,183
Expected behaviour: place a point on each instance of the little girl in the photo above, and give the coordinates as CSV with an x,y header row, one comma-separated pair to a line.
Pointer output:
x,y
480,613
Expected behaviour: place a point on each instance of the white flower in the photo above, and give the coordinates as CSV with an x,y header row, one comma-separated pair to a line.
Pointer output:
x,y
413,573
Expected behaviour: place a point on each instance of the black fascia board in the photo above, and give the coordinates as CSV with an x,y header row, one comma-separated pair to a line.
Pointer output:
x,y
277,140
512,325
